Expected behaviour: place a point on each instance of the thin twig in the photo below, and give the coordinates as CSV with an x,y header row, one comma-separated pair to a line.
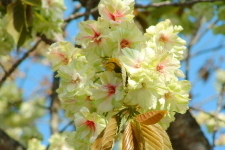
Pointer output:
x,y
194,39
167,3
66,126
208,113
217,48
157,5
17,63
78,15
218,109
208,99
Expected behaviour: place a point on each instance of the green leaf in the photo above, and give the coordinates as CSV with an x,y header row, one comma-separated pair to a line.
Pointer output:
x,y
16,19
219,29
20,18
203,10
25,34
221,13
28,16
32,2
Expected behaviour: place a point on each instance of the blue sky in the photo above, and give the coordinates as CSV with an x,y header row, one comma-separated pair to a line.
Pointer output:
x,y
201,90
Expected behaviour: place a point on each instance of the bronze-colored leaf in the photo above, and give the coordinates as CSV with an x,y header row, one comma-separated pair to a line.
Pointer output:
x,y
109,134
155,137
98,142
152,138
151,117
138,139
128,138
166,140
132,137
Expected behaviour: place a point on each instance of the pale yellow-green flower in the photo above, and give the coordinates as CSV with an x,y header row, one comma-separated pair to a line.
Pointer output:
x,y
164,34
177,96
116,11
88,125
62,53
108,92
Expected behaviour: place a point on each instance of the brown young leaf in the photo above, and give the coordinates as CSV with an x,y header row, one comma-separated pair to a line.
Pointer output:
x,y
166,140
98,142
109,134
151,117
128,138
132,137
155,137
138,139
152,138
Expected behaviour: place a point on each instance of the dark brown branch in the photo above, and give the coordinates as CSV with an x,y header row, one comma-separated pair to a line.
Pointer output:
x,y
157,5
7,143
185,133
17,63
184,4
88,9
78,15
54,106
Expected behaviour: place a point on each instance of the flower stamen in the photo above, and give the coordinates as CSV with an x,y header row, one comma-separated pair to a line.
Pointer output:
x,y
124,43
90,124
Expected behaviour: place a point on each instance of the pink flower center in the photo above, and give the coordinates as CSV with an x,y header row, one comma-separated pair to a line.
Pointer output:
x,y
137,65
110,89
90,124
62,56
96,37
160,68
163,38
124,43
115,16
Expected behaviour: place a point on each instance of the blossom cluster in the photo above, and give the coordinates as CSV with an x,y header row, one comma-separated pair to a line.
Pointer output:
x,y
48,18
118,67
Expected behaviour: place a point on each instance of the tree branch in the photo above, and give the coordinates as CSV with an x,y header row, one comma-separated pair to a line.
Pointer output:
x,y
54,106
217,48
157,5
7,143
66,126
185,133
88,9
194,39
167,3
208,113
17,63
78,15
